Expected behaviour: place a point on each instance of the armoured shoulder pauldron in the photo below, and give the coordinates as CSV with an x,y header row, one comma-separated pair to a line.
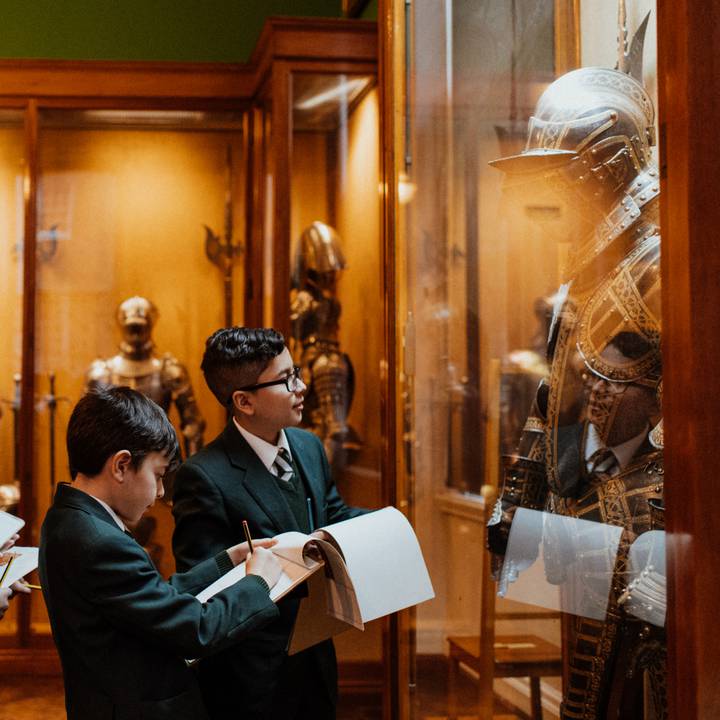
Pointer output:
x,y
619,325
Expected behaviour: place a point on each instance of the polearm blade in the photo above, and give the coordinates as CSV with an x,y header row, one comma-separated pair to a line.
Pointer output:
x,y
51,401
52,407
15,405
223,252
10,491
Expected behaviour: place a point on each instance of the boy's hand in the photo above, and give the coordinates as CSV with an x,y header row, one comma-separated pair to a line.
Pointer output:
x,y
239,552
5,594
263,563
9,543
19,586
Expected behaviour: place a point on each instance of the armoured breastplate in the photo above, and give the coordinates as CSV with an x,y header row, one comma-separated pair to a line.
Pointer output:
x,y
605,367
329,395
145,376
315,317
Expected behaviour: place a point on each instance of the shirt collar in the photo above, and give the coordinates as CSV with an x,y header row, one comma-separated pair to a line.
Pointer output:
x,y
267,452
623,452
111,512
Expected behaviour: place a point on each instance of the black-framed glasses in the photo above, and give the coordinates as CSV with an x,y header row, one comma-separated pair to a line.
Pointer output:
x,y
292,382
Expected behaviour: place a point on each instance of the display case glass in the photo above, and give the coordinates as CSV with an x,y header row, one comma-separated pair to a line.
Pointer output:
x,y
13,175
140,219
147,205
529,296
334,295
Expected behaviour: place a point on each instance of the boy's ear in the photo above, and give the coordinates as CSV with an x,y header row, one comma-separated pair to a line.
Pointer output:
x,y
243,403
120,463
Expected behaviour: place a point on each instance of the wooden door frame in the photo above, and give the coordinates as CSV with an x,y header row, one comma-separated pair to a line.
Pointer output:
x,y
689,107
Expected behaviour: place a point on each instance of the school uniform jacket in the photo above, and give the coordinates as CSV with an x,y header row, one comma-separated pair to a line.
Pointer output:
x,y
121,630
215,490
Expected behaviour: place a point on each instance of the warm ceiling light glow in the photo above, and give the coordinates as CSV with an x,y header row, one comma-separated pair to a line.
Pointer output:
x,y
342,89
406,189
145,116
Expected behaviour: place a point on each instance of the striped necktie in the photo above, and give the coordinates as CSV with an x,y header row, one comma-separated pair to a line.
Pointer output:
x,y
603,462
283,466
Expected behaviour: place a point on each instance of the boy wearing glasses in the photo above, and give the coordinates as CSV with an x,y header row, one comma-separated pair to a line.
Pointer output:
x,y
265,470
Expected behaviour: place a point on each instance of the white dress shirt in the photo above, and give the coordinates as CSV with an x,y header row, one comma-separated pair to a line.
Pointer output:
x,y
623,452
267,452
113,514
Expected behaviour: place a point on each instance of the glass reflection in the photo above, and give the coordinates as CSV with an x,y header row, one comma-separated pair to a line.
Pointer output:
x,y
335,298
589,145
532,303
560,563
12,177
134,286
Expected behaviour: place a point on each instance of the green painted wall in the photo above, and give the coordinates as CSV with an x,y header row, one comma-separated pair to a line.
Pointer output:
x,y
371,11
181,30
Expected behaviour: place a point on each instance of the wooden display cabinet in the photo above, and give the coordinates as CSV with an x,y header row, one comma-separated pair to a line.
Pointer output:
x,y
314,156
108,171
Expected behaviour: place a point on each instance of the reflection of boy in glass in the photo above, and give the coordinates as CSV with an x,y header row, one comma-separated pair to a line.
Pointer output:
x,y
637,405
264,469
618,416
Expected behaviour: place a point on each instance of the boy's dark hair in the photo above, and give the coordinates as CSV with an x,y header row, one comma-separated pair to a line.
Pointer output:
x,y
235,356
110,419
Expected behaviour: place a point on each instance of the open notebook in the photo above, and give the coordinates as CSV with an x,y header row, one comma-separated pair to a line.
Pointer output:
x,y
9,525
21,560
371,566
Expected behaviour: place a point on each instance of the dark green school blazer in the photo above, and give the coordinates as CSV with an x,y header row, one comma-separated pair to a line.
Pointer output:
x,y
121,630
215,490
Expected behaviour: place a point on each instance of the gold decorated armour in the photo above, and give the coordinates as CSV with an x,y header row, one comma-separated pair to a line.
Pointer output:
x,y
586,450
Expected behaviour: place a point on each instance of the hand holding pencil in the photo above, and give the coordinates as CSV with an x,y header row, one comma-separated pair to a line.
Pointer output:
x,y
7,592
260,561
9,543
6,562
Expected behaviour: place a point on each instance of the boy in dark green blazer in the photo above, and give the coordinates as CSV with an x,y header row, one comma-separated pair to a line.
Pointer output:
x,y
121,630
264,470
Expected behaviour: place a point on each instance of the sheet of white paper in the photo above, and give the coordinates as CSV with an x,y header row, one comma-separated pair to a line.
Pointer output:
x,y
9,525
560,563
291,575
384,561
228,579
26,560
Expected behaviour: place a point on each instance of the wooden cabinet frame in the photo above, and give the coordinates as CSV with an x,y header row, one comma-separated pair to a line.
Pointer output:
x,y
332,48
